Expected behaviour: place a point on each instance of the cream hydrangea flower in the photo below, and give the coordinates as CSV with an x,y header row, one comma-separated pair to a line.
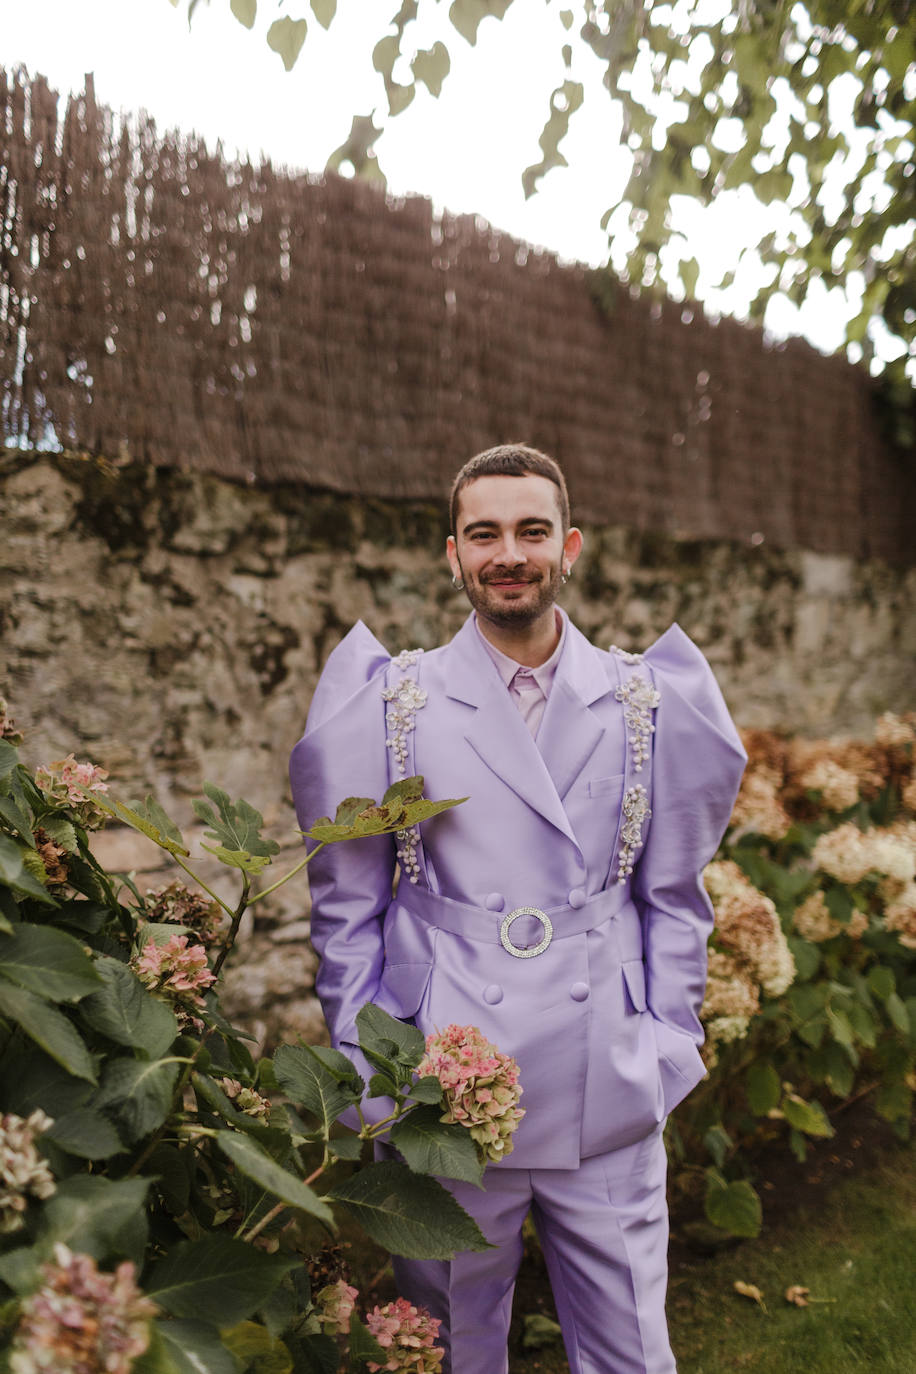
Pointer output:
x,y
839,788
747,925
335,1304
23,1171
843,854
814,922
731,999
758,810
900,915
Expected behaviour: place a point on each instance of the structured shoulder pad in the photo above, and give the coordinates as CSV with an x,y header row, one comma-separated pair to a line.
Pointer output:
x,y
358,658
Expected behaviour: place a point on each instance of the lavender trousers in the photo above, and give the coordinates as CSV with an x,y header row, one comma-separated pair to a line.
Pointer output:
x,y
603,1229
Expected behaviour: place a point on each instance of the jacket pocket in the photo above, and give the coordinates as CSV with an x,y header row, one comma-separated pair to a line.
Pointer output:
x,y
679,1063
634,980
402,987
599,787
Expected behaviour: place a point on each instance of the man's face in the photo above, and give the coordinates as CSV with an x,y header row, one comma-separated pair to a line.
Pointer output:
x,y
509,547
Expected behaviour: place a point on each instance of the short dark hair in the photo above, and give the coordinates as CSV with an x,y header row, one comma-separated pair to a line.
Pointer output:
x,y
509,460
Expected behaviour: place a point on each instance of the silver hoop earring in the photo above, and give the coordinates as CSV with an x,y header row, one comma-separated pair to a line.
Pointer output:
x,y
565,575
458,584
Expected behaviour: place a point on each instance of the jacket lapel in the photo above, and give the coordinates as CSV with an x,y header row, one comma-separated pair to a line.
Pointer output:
x,y
570,732
497,732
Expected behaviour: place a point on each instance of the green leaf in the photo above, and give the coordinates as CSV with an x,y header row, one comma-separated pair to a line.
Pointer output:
x,y
137,820
467,15
840,1027
238,826
383,1035
245,11
348,1147
14,873
324,11
312,1085
30,1079
350,808
256,1349
139,1094
881,981
407,1213
62,832
319,1354
216,1279
806,955
863,1023
431,1146
898,1013
364,1346
48,962
44,1024
718,1142
85,1133
427,1089
9,758
763,1088
169,1167
894,1100
238,858
248,1157
733,1207
285,37
539,1331
97,1216
17,819
432,66
808,1117
127,1013
185,1347
20,1270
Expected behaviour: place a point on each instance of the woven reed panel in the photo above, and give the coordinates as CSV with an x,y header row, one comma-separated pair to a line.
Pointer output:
x,y
160,302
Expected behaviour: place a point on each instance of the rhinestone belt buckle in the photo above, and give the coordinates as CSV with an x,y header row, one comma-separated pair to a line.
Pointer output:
x,y
534,949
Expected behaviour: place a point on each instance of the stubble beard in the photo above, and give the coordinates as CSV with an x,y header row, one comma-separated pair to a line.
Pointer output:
x,y
511,615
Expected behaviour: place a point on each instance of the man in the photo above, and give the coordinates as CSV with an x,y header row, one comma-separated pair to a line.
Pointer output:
x,y
560,909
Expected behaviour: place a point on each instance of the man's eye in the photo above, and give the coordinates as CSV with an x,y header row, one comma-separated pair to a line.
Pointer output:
x,y
480,535
535,533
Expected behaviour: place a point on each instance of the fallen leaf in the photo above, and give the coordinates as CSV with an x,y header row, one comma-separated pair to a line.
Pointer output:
x,y
750,1290
797,1295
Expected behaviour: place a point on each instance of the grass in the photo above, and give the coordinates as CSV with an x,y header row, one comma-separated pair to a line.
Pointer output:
x,y
853,1246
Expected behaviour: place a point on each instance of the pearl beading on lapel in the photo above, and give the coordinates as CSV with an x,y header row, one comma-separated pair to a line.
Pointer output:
x,y
636,810
625,654
639,701
403,702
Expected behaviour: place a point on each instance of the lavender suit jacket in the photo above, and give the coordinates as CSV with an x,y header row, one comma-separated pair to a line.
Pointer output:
x,y
604,1023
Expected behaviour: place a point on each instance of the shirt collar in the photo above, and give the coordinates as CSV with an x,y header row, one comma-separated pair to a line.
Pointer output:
x,y
507,667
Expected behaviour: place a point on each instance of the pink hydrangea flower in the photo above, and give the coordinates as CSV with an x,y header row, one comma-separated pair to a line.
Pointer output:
x,y
62,782
176,971
334,1305
480,1084
81,1321
407,1334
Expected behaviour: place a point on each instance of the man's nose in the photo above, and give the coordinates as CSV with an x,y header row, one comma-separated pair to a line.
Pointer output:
x,y
509,553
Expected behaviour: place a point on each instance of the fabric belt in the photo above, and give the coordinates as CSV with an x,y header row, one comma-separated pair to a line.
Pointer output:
x,y
478,923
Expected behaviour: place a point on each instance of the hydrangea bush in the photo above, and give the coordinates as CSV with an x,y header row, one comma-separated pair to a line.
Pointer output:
x,y
165,1199
811,998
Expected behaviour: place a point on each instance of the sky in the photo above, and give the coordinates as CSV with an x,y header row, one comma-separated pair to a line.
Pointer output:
x,y
465,151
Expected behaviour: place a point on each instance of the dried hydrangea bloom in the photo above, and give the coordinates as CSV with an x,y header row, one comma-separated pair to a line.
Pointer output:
x,y
814,922
81,1321
758,809
843,854
908,794
480,1084
838,787
8,729
407,1334
895,732
900,916
24,1173
731,999
180,905
176,971
334,1305
63,780
245,1099
747,925
53,856
890,855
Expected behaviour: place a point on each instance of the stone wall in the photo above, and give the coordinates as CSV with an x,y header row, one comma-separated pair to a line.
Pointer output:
x,y
171,626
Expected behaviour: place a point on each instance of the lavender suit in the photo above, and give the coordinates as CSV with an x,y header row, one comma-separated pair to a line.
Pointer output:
x,y
603,825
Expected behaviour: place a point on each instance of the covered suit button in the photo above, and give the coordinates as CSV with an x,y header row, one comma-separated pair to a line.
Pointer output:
x,y
494,901
577,897
578,992
492,994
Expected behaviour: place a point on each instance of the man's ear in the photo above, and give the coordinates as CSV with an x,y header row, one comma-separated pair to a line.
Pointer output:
x,y
572,546
451,553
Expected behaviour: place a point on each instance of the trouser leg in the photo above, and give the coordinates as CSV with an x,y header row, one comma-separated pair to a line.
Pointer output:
x,y
604,1233
472,1294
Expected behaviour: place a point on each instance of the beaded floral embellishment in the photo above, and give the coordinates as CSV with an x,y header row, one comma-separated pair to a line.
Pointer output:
x,y
625,654
639,701
636,811
403,703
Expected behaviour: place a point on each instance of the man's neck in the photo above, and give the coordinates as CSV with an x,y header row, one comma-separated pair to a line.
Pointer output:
x,y
529,645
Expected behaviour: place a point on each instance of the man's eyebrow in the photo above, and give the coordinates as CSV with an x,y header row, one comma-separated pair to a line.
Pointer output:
x,y
494,524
